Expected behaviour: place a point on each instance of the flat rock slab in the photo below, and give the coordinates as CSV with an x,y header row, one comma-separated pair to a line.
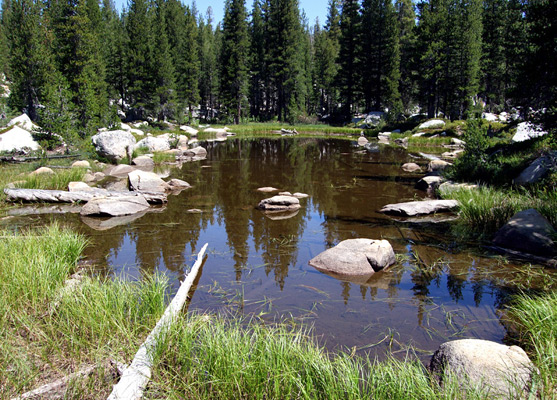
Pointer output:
x,y
147,181
355,257
529,232
279,203
115,206
414,208
505,372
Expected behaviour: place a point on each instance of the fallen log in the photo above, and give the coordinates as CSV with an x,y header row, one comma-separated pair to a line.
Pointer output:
x,y
135,378
56,389
61,196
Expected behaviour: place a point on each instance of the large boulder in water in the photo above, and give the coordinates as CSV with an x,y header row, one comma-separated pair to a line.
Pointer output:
x,y
147,182
279,204
504,372
115,206
114,145
355,257
528,232
17,139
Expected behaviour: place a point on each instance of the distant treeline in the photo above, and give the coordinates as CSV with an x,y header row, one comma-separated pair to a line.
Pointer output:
x,y
73,63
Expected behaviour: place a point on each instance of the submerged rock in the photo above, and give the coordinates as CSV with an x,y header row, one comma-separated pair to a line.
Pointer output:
x,y
178,184
413,208
355,257
279,203
529,232
505,372
115,206
411,167
104,224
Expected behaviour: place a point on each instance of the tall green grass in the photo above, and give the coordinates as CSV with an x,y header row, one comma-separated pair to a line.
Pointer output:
x,y
486,209
59,180
48,332
535,321
206,357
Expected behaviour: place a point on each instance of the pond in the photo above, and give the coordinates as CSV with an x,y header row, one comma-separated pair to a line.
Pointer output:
x,y
439,289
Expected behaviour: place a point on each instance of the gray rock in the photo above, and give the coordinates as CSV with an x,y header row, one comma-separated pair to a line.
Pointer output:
x,y
529,232
78,187
458,142
505,372
434,123
196,152
143,161
24,122
153,143
448,187
42,170
299,195
285,194
115,206
537,170
413,208
279,203
114,145
81,164
189,130
178,184
411,167
119,171
452,155
355,257
438,165
362,141
429,182
526,131
147,182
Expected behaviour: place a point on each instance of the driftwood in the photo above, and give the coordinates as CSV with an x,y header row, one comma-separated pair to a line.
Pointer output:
x,y
137,375
61,196
56,389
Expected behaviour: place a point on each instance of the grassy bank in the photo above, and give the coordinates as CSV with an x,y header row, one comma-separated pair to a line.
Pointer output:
x,y
48,332
484,211
216,358
534,321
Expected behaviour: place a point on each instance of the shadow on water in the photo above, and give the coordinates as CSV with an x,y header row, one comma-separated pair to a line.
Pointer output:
x,y
438,290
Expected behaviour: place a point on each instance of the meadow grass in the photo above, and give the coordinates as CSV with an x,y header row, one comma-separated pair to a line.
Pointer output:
x,y
534,320
160,157
487,209
270,127
213,357
48,332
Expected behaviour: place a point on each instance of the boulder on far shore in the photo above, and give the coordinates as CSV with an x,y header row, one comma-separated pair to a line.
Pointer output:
x,y
537,170
355,257
504,372
529,232
17,139
23,121
434,123
114,145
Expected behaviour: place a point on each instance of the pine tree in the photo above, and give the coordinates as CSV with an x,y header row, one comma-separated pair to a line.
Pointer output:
x,y
349,53
114,38
209,73
258,65
408,63
380,59
162,70
3,42
30,63
234,59
139,59
285,58
182,36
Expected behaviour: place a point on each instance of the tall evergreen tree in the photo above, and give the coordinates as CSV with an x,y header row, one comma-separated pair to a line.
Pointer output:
x,y
258,66
114,38
349,53
408,65
139,58
380,59
30,63
164,96
234,59
209,71
285,59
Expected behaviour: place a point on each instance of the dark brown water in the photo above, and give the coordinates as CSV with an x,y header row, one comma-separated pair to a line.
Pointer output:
x,y
438,291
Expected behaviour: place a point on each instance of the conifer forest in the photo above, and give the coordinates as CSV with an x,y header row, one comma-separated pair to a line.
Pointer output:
x,y
76,65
